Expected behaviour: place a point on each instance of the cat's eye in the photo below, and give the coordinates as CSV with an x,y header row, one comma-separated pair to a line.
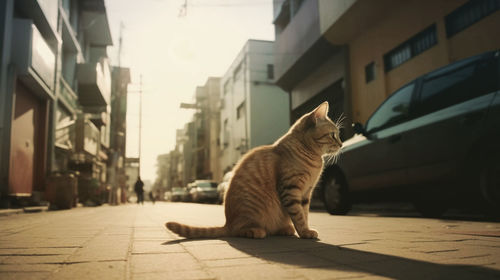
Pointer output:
x,y
333,135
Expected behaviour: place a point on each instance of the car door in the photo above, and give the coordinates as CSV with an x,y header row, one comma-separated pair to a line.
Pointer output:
x,y
378,161
452,105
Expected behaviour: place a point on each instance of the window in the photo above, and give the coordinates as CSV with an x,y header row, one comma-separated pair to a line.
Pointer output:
x,y
225,135
226,87
458,83
468,14
411,48
288,10
370,72
240,111
237,74
270,71
393,111
65,128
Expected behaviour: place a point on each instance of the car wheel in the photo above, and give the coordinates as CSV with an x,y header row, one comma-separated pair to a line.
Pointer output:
x,y
490,189
335,195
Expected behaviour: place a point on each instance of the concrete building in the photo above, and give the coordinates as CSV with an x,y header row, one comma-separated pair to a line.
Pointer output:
x,y
355,53
207,119
254,111
118,130
55,87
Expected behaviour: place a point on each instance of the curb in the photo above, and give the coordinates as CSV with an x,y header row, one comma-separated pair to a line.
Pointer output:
x,y
33,209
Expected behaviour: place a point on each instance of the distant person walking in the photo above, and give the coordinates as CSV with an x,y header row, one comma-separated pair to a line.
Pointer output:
x,y
152,196
139,190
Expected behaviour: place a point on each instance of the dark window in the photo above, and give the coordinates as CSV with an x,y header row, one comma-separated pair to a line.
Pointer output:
x,y
226,87
240,111
295,6
270,71
468,14
370,72
283,18
288,10
393,111
458,83
411,48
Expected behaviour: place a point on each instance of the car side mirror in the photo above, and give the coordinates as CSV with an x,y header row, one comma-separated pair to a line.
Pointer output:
x,y
358,128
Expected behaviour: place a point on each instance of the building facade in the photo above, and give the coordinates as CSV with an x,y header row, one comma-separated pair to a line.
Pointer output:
x,y
207,119
55,87
117,177
355,53
253,110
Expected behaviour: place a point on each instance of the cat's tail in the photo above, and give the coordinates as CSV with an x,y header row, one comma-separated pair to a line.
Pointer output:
x,y
196,232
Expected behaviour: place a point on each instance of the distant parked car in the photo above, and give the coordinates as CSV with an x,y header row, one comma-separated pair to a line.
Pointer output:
x,y
179,194
203,191
222,187
435,141
167,196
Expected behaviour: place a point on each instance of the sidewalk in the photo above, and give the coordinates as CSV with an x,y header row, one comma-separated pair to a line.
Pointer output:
x,y
130,242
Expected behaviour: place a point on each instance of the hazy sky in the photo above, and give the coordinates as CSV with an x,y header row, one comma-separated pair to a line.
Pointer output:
x,y
174,55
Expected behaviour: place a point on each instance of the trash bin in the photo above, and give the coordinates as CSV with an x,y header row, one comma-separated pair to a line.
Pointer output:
x,y
62,190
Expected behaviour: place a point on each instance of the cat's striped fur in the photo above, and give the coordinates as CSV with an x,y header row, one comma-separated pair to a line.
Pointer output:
x,y
270,191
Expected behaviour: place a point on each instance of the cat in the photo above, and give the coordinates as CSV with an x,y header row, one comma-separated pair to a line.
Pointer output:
x,y
270,191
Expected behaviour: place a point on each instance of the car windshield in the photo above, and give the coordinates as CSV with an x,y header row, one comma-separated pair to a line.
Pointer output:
x,y
207,185
394,110
177,190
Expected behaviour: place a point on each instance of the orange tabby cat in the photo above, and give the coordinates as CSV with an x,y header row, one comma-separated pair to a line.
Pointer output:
x,y
270,190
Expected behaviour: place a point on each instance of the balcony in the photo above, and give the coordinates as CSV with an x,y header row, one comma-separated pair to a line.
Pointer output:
x,y
44,15
87,137
94,83
33,57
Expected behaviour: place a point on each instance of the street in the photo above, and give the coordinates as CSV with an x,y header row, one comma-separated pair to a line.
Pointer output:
x,y
131,242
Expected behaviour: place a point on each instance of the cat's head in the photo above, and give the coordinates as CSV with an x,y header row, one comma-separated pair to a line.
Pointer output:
x,y
319,131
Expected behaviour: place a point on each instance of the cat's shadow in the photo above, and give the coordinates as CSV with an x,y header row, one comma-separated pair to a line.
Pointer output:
x,y
303,253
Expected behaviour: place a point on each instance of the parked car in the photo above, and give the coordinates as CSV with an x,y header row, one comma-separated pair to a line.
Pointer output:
x,y
222,186
435,142
203,191
167,196
179,194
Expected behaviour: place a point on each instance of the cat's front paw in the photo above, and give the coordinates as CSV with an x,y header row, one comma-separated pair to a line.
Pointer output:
x,y
309,234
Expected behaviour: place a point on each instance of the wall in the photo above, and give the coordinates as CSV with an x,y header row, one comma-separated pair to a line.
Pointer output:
x,y
325,75
401,24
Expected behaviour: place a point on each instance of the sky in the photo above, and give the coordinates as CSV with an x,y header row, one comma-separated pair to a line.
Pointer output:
x,y
174,54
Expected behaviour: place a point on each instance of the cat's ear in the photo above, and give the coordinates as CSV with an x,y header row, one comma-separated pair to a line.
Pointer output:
x,y
321,112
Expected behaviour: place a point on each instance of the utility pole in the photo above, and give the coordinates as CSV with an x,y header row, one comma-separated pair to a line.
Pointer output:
x,y
184,9
122,26
140,121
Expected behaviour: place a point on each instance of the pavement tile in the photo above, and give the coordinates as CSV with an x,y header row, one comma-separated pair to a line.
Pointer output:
x,y
35,259
346,255
155,247
37,251
163,262
234,262
400,268
332,272
28,267
257,272
24,275
179,274
92,270
215,251
103,248
295,259
150,234
200,242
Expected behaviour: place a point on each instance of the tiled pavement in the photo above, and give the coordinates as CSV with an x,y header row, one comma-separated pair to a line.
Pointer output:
x,y
130,242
